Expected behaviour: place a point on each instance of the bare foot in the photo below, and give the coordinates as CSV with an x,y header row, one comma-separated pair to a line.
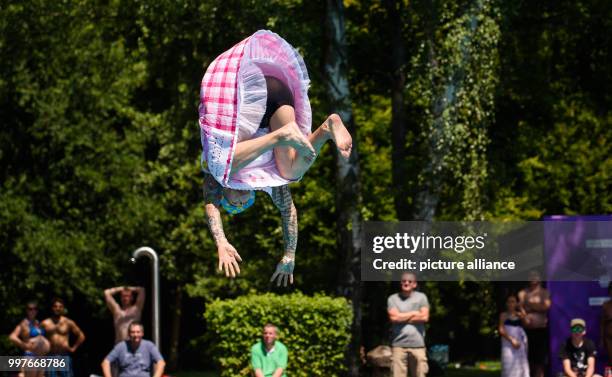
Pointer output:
x,y
291,136
340,135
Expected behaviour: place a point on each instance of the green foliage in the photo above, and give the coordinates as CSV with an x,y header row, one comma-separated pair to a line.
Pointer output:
x,y
550,147
471,372
316,331
73,144
101,148
476,319
507,101
570,169
457,64
373,118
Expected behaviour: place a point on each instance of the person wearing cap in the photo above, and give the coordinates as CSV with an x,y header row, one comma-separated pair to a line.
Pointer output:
x,y
578,352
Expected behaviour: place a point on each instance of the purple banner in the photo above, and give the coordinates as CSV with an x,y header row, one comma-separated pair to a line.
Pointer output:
x,y
571,246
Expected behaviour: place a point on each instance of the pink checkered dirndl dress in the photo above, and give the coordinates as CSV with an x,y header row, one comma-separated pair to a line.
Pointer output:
x,y
233,102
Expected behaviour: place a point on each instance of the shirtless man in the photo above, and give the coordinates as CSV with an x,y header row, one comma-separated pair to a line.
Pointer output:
x,y
58,329
129,310
535,301
606,324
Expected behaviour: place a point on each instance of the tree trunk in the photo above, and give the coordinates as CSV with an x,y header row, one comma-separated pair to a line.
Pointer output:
x,y
176,329
441,145
398,111
428,197
348,193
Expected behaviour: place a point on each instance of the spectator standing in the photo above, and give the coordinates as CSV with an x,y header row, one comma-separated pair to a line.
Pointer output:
x,y
408,312
58,329
535,301
128,310
513,340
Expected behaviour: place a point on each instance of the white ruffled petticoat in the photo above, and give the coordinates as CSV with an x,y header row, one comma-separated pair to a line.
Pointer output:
x,y
233,101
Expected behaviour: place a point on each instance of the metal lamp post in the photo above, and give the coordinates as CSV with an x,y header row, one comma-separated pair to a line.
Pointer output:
x,y
151,254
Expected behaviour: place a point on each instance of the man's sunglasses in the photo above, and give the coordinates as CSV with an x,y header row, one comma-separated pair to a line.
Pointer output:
x,y
577,329
32,308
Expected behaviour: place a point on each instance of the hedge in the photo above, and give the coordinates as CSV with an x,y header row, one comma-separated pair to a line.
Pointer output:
x,y
316,331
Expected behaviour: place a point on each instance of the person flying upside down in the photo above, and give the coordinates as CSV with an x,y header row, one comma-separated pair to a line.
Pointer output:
x,y
255,126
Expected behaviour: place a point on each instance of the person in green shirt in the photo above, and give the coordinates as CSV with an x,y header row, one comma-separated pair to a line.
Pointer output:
x,y
269,356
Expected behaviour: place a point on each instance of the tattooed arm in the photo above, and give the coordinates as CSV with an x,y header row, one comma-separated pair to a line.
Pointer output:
x,y
227,254
281,196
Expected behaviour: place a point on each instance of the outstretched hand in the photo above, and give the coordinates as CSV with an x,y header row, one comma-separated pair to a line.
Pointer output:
x,y
284,271
228,259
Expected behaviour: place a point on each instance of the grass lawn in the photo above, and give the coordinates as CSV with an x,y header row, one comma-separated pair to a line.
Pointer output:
x,y
471,373
482,369
491,371
195,374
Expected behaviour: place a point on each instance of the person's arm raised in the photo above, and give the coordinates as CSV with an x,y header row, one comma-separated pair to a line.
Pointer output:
x,y
140,297
110,301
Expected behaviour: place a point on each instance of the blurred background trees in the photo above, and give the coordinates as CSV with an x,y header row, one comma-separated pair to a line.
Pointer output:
x,y
462,109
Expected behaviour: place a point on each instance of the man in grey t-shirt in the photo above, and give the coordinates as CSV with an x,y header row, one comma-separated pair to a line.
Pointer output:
x,y
408,312
135,356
